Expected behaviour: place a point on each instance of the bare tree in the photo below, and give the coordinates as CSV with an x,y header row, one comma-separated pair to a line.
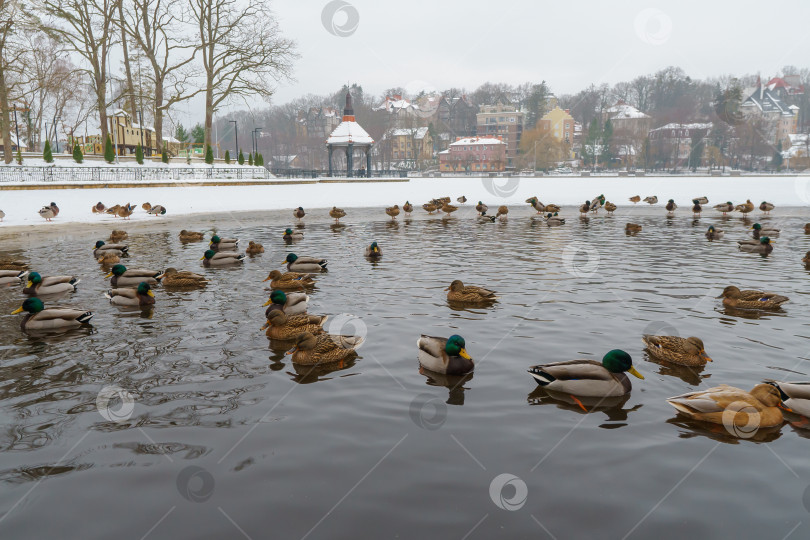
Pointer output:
x,y
130,88
13,19
243,51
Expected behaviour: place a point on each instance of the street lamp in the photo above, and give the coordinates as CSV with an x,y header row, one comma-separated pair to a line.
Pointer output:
x,y
256,141
236,133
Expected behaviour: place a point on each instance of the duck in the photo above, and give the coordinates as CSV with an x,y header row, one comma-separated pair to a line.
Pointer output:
x,y
610,208
441,201
47,213
373,251
291,304
597,203
337,213
807,228
677,350
223,244
108,258
12,277
770,232
299,213
481,207
484,218
671,207
553,220
289,281
101,248
588,378
2,216
552,208
696,208
461,200
651,200
254,248
141,296
725,207
407,208
306,265
448,209
117,235
292,236
146,206
131,277
632,228
635,199
714,234
444,355
806,259
284,326
221,258
38,285
310,350
429,207
536,204
393,211
765,246
54,208
113,210
157,210
58,318
725,404
585,208
745,208
458,292
700,200
173,278
6,264
766,207
795,396
503,210
99,208
191,236
735,298
125,211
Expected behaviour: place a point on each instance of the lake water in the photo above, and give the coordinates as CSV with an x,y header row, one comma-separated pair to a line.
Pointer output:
x,y
220,436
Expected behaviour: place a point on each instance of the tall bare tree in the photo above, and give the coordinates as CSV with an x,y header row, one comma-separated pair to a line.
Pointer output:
x,y
243,51
130,88
14,18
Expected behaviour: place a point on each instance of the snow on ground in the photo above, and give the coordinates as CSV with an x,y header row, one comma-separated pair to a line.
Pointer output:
x,y
176,162
21,206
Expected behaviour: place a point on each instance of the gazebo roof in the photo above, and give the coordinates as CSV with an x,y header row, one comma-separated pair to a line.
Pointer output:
x,y
349,131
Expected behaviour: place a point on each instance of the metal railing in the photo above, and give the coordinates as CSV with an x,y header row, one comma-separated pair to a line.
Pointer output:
x,y
128,174
320,173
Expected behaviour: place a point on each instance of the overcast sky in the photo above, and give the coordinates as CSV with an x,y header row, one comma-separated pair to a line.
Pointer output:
x,y
439,44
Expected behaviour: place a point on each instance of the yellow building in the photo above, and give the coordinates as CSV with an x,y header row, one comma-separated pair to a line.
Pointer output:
x,y
411,144
559,124
125,134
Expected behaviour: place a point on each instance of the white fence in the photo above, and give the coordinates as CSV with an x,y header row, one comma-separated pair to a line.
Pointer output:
x,y
129,174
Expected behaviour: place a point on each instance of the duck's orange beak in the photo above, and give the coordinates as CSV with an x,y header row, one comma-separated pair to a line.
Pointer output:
x,y
705,356
633,371
108,275
268,278
18,310
463,353
291,351
267,303
266,325
150,293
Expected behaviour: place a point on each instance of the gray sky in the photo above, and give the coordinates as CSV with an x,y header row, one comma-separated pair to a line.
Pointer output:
x,y
439,44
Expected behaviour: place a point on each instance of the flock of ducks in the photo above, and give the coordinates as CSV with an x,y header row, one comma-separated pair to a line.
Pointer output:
x,y
287,318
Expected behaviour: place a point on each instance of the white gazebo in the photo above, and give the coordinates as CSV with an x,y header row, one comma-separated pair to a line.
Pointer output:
x,y
350,135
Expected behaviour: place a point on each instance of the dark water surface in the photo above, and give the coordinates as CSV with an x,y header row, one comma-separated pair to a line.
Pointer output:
x,y
227,439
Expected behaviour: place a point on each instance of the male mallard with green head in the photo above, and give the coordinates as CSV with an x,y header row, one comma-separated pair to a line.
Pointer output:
x,y
41,318
588,378
141,296
445,355
38,285
307,265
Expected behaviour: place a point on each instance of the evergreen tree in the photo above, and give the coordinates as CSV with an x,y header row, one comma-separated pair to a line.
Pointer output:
x,y
47,155
227,157
181,134
164,155
259,160
78,157
607,136
777,159
198,134
139,154
697,147
19,156
250,159
109,153
209,155
241,158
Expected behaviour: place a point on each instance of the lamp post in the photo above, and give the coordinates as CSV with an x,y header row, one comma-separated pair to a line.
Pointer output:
x,y
236,134
47,133
56,133
256,141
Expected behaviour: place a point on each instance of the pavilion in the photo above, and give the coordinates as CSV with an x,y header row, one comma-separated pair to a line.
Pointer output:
x,y
350,135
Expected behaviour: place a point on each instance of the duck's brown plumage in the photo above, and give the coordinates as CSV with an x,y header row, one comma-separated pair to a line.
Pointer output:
x,y
254,248
282,326
290,281
751,299
337,213
324,348
392,211
458,292
183,279
116,236
635,199
677,350
191,236
726,404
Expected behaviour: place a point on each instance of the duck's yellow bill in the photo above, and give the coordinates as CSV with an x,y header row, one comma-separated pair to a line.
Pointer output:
x,y
706,356
108,275
201,258
283,262
150,293
463,353
267,303
291,351
633,371
18,310
268,278
266,325
29,284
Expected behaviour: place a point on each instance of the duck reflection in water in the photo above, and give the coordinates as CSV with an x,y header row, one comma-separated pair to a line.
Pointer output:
x,y
612,407
688,374
454,383
696,428
319,372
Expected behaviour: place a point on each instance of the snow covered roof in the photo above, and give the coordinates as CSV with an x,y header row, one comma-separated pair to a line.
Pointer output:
x,y
623,110
396,104
416,133
347,132
766,101
696,125
136,125
476,140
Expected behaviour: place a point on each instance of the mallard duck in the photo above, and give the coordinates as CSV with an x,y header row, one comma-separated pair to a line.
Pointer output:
x,y
597,203
765,246
651,200
221,258
337,213
109,258
806,259
807,228
441,201
745,208
484,218
735,298
310,350
99,208
536,204
11,277
146,206
677,350
444,355
696,208
54,208
47,213
429,207
157,210
38,285
407,208
290,235
299,213
141,296
289,281
481,207
671,206
223,244
392,211
373,251
292,304
462,199
101,248
552,208
726,404
254,248
588,378
795,396
306,265
125,211
6,264
471,294
182,279
131,277
632,228
585,208
610,208
714,234
503,210
700,200
766,207
191,236
725,207
40,318
635,199
758,231
113,210
448,209
284,326
116,236
553,220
